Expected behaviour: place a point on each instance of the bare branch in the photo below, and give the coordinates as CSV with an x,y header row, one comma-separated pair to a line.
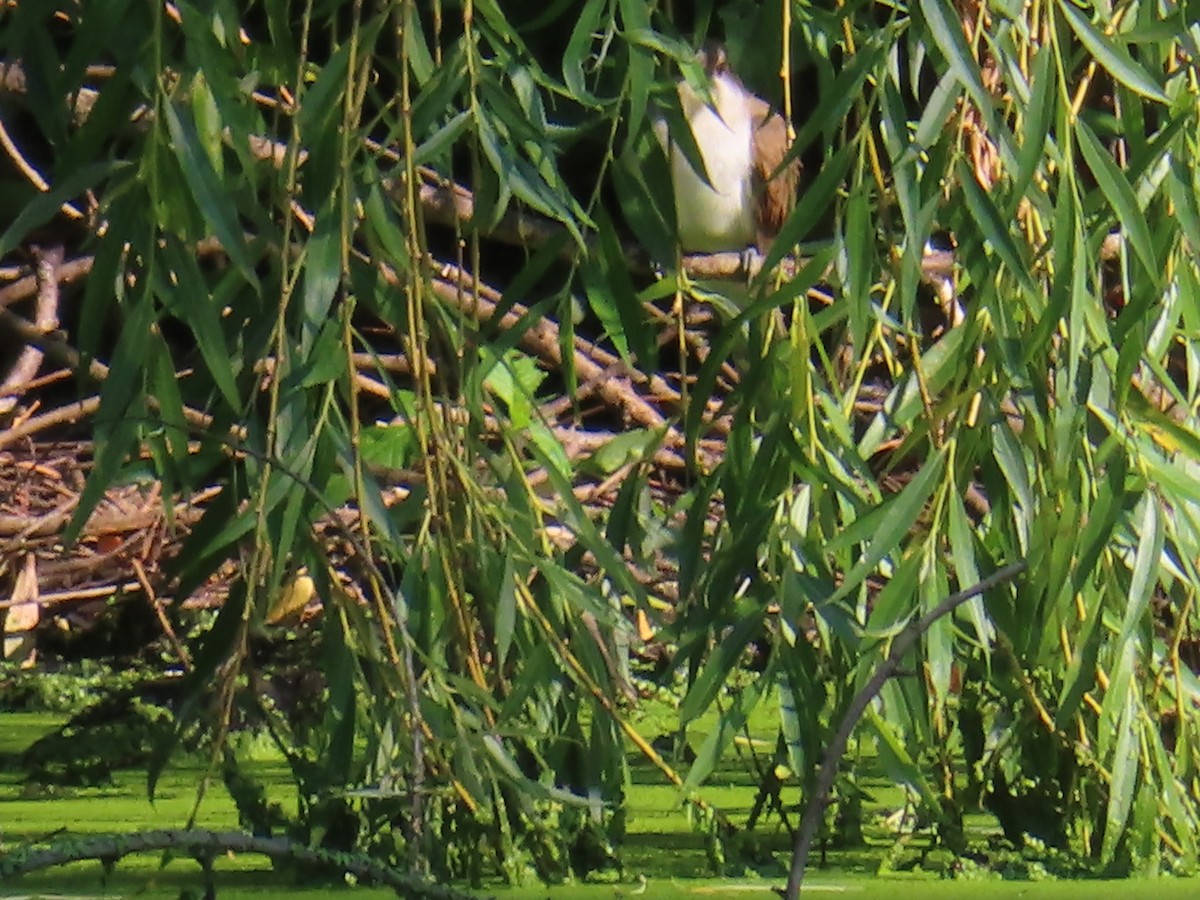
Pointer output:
x,y
904,641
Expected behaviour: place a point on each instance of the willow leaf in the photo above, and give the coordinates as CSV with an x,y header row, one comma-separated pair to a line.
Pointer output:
x,y
1110,53
1120,194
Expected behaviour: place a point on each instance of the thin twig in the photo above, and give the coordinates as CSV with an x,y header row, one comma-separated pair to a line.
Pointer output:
x,y
163,622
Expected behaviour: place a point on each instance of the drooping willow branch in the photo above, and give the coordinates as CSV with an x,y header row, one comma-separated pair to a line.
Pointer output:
x,y
205,846
905,640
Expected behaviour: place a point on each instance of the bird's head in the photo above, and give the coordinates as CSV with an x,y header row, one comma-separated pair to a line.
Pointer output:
x,y
713,59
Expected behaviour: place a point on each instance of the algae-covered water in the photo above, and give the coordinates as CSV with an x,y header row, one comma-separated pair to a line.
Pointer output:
x,y
663,857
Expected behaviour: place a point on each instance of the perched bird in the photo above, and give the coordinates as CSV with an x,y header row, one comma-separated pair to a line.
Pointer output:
x,y
742,143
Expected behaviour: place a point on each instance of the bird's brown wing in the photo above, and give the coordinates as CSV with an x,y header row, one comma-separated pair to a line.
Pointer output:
x,y
779,193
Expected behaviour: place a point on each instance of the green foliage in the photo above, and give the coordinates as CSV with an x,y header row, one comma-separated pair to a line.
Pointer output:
x,y
113,733
872,459
69,690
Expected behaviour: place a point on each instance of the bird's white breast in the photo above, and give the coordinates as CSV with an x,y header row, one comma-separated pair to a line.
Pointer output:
x,y
718,215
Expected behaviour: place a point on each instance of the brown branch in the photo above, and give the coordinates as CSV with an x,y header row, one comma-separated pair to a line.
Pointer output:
x,y
64,273
814,810
45,318
55,346
156,605
90,593
64,414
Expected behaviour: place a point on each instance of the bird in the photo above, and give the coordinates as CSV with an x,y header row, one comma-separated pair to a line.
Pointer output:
x,y
742,141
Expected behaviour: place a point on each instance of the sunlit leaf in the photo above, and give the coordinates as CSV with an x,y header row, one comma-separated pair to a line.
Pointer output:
x,y
1112,55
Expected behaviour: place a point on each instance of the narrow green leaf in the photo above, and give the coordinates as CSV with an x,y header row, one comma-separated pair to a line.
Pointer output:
x,y
634,445
895,758
162,383
524,181
371,497
1180,806
551,449
281,532
416,45
321,100
384,228
931,128
896,604
579,51
946,26
1117,697
338,665
573,594
576,518
966,571
845,90
237,527
44,207
535,789
1039,114
642,179
439,97
639,76
443,140
1096,534
537,671
939,639
895,517
693,536
116,426
812,207
1120,195
803,693
1112,55
506,609
324,360
720,663
211,196
731,723
118,443
322,273
1081,673
186,296
994,229
1182,188
615,265
894,127
1124,770
215,647
1146,566
858,261
622,525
